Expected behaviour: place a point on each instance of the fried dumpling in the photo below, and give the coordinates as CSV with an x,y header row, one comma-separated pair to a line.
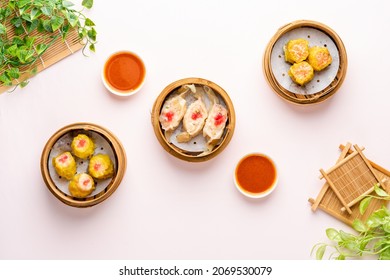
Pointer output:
x,y
194,120
319,58
296,51
215,122
173,110
301,73
101,167
65,165
81,185
82,146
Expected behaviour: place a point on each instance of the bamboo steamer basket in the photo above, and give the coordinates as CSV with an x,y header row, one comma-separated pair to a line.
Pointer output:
x,y
109,139
330,88
173,149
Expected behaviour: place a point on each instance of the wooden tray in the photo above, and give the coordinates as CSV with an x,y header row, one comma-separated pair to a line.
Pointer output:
x,y
321,95
328,201
119,164
57,51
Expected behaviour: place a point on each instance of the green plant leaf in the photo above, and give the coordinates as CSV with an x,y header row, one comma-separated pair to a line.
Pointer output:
x,y
29,41
5,80
87,3
364,204
24,83
23,3
16,21
41,48
47,11
359,226
3,30
381,192
89,22
56,22
72,19
92,34
12,50
35,13
386,227
340,257
31,26
67,4
92,47
320,252
333,234
13,73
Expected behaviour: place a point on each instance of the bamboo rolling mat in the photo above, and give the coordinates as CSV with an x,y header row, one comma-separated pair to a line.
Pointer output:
x,y
58,50
328,201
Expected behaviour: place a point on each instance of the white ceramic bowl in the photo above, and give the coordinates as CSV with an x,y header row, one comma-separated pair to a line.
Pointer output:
x,y
271,186
138,62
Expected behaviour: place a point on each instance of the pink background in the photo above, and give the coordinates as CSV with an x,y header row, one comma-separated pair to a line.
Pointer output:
x,y
166,208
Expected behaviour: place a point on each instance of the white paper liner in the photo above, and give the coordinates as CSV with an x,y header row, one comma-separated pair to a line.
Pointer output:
x,y
102,146
198,143
321,79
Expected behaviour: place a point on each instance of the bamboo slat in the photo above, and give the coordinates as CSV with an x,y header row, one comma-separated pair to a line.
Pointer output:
x,y
57,51
330,203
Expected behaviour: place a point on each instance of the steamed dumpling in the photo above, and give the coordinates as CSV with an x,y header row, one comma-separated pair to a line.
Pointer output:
x,y
301,73
65,165
101,167
296,51
193,120
81,185
215,124
82,146
319,58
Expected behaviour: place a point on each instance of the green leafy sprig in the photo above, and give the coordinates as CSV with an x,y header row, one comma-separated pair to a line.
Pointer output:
x,y
33,20
372,238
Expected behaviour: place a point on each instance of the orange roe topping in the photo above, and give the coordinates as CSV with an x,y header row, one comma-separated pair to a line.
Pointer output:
x,y
86,182
81,143
196,115
218,119
63,158
169,115
97,166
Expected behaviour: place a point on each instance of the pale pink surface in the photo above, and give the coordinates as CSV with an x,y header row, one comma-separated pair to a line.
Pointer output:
x,y
170,209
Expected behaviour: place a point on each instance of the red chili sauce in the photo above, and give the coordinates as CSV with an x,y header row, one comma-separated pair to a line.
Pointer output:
x,y
255,174
124,71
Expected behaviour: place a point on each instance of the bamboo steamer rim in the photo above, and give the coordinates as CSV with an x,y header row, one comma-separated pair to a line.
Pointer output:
x,y
120,157
172,149
299,99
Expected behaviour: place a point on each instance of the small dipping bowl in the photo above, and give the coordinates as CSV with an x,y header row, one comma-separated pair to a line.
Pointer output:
x,y
123,73
255,175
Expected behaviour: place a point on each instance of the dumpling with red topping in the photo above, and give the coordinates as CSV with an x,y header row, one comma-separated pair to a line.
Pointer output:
x,y
101,167
194,120
82,146
215,125
173,110
81,185
65,165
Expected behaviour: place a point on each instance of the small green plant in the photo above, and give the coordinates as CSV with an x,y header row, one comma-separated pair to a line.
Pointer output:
x,y
372,238
33,20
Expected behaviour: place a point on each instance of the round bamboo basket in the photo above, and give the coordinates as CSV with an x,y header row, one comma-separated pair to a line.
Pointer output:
x,y
119,164
173,149
332,86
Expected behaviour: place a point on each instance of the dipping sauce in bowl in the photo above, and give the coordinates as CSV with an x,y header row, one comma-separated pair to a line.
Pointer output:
x,y
123,73
255,175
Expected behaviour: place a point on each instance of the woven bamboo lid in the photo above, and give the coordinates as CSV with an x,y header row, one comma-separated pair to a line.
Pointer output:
x,y
325,83
105,142
182,152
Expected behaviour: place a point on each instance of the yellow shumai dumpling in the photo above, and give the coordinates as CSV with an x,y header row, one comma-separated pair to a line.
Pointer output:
x,y
301,73
319,58
81,185
101,167
82,146
65,165
296,51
